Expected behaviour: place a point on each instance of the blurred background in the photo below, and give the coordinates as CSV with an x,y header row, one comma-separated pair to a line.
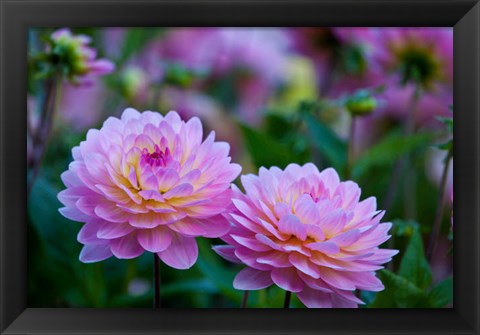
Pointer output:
x,y
277,95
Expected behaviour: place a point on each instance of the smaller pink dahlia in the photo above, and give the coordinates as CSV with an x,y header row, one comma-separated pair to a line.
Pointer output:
x,y
148,182
308,233
78,60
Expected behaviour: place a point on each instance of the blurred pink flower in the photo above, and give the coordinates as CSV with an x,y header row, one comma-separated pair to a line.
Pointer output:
x,y
79,58
416,57
148,183
81,106
308,233
253,59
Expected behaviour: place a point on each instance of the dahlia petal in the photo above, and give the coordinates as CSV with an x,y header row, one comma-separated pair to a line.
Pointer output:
x,y
88,234
151,220
188,227
227,252
333,222
129,114
327,247
194,130
303,264
347,238
167,178
250,279
154,240
273,230
250,243
182,252
315,232
114,194
112,230
249,257
306,210
291,224
112,213
247,223
330,179
73,214
95,253
126,247
287,279
267,241
337,279
87,204
275,259
282,209
69,196
151,195
182,190
314,299
338,302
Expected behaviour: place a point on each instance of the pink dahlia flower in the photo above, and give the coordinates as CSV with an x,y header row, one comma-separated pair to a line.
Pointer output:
x,y
148,183
308,233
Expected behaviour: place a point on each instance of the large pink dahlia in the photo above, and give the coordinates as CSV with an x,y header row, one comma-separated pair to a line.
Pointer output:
x,y
148,183
308,233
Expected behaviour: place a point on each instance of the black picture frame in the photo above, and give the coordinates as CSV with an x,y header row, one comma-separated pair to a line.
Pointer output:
x,y
16,16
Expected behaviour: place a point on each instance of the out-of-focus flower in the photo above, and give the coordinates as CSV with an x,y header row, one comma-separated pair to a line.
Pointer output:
x,y
244,64
75,59
434,166
308,233
301,84
190,103
148,183
413,59
80,106
134,84
340,57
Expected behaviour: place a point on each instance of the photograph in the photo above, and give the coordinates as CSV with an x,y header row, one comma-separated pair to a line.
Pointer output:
x,y
240,167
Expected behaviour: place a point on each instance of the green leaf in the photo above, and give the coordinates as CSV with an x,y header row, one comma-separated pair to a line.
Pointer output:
x,y
326,141
267,151
390,149
399,292
212,268
414,266
135,40
442,294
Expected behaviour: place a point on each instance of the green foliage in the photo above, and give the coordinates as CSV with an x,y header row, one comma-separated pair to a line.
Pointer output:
x,y
410,287
267,151
414,266
326,142
388,150
136,40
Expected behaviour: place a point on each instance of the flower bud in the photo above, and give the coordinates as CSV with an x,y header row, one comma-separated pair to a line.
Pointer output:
x,y
361,103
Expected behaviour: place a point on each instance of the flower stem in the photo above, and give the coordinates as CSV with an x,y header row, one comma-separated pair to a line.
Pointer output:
x,y
432,242
286,303
156,281
41,134
245,298
350,153
411,176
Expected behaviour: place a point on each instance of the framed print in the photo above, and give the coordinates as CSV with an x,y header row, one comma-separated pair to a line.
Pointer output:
x,y
239,167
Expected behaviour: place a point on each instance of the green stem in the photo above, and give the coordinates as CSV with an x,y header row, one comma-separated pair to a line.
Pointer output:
x,y
42,133
156,281
245,298
286,303
411,177
432,242
351,148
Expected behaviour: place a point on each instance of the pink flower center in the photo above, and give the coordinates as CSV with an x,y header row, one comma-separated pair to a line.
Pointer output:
x,y
156,158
